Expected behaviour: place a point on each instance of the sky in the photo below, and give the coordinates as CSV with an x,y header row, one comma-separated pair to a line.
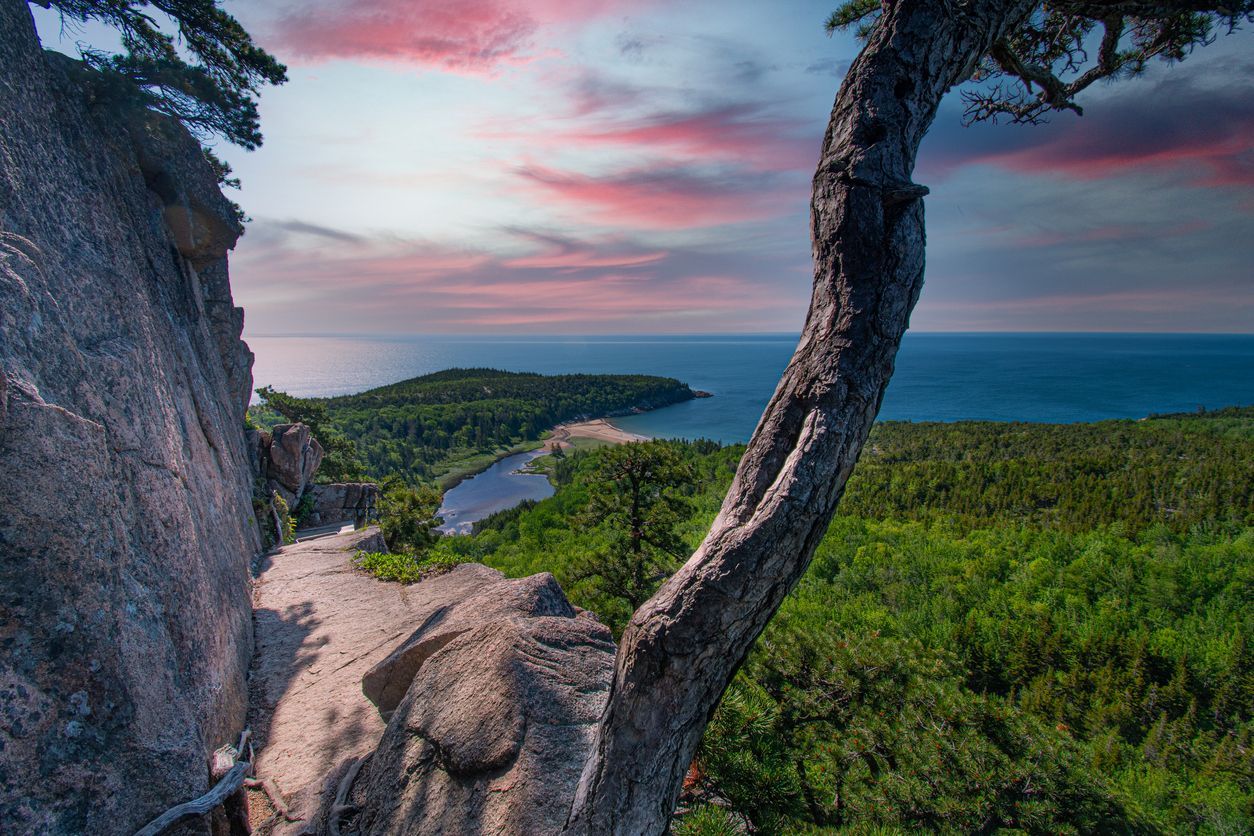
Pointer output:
x,y
600,166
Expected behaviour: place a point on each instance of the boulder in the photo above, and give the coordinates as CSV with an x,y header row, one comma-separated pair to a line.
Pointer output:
x,y
502,694
538,595
347,502
293,457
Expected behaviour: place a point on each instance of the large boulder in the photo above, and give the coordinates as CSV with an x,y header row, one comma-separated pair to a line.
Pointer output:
x,y
502,693
538,595
285,459
126,529
345,502
292,457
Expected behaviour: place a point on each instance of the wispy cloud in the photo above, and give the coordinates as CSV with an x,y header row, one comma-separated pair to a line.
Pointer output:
x,y
664,197
1182,123
552,282
466,36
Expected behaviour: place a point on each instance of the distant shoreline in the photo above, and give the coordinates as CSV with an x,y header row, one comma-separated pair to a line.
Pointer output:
x,y
595,429
598,429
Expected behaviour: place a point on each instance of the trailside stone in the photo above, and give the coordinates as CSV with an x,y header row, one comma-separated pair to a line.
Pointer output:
x,y
293,457
348,502
538,595
493,731
126,528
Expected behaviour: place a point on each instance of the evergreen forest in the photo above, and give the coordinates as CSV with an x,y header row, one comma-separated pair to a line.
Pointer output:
x,y
1008,627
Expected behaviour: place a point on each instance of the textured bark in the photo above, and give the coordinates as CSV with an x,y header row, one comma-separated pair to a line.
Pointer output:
x,y
684,645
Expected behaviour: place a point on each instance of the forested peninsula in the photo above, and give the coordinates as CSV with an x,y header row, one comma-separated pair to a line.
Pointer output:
x,y
444,426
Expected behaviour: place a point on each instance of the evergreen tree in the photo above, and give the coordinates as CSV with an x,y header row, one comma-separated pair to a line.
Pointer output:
x,y
408,517
633,495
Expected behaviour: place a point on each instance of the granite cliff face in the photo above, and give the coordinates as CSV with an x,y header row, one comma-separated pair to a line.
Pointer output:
x,y
126,525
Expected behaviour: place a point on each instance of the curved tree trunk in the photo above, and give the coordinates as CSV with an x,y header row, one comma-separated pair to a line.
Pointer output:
x,y
684,645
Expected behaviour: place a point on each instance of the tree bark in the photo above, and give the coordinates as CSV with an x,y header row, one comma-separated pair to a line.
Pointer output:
x,y
684,645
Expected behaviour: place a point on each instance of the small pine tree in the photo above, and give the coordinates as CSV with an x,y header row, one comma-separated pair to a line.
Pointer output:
x,y
633,497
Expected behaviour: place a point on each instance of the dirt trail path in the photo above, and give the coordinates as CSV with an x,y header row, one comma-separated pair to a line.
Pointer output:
x,y
320,624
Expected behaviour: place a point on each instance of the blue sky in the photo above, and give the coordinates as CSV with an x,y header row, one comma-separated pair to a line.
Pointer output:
x,y
595,166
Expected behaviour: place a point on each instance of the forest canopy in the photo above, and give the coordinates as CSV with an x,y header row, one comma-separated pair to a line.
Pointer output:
x,y
438,427
1030,627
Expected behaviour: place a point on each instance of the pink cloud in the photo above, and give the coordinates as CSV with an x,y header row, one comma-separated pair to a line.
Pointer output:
x,y
1175,126
291,279
661,198
736,133
466,36
1207,160
1121,233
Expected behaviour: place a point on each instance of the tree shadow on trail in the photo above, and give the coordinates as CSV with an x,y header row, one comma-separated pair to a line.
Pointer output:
x,y
280,655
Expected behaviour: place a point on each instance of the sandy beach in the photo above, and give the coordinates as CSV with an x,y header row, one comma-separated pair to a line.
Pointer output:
x,y
600,430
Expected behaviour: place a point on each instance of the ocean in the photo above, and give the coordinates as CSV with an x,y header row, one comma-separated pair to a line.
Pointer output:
x,y
940,377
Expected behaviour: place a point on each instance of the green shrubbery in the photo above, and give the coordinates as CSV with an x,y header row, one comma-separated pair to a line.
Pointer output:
x,y
403,568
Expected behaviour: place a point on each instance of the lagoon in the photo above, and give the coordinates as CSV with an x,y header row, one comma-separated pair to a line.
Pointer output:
x,y
499,487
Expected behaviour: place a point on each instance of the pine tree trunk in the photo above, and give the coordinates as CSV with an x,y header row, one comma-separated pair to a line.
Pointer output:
x,y
684,645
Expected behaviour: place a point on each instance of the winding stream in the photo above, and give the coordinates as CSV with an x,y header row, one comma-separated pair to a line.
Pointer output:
x,y
499,487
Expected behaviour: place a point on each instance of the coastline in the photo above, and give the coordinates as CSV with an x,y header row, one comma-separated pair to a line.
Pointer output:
x,y
562,435
597,429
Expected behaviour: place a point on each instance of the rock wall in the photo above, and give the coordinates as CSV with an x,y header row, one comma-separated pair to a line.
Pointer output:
x,y
343,502
125,490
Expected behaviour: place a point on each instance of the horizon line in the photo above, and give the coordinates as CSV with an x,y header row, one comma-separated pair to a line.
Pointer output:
x,y
676,334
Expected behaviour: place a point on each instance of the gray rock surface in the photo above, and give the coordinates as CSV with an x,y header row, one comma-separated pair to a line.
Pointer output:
x,y
292,457
346,502
320,624
506,689
125,491
538,595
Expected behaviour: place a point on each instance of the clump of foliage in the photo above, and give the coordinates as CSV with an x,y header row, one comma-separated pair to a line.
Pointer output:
x,y
287,525
340,461
1042,65
422,428
408,516
633,496
403,568
263,517
216,95
963,655
300,514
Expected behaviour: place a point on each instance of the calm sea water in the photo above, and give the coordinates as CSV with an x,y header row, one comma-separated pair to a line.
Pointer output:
x,y
939,377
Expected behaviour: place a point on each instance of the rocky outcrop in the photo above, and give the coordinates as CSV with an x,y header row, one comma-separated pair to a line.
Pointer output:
x,y
345,502
285,459
126,526
494,701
